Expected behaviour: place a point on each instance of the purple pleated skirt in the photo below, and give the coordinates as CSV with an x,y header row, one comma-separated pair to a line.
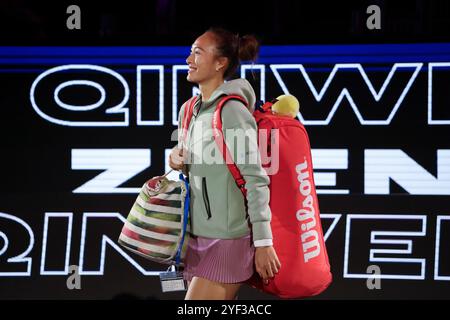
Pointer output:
x,y
220,260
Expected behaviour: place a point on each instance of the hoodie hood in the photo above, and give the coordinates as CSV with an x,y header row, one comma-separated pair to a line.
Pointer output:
x,y
240,87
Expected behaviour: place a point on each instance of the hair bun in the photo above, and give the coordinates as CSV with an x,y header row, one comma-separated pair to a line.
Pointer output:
x,y
248,47
235,48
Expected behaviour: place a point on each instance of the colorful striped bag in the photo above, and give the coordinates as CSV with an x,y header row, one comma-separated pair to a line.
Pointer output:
x,y
157,226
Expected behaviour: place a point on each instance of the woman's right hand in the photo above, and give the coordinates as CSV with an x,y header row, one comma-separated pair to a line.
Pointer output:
x,y
176,158
267,262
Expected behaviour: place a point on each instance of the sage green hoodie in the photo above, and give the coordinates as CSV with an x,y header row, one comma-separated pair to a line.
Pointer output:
x,y
217,206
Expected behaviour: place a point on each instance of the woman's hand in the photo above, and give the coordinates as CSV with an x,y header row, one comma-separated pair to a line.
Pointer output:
x,y
267,262
176,158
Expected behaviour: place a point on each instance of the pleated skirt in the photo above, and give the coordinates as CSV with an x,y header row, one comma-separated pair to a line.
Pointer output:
x,y
220,260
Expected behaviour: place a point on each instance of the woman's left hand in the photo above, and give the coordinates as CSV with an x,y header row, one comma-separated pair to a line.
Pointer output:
x,y
266,262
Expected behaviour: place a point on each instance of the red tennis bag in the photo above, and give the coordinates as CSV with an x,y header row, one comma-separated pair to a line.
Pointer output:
x,y
296,227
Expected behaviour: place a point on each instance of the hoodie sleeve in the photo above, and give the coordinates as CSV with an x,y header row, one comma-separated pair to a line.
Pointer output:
x,y
237,121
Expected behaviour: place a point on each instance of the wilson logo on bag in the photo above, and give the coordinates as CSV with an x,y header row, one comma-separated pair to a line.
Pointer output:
x,y
306,215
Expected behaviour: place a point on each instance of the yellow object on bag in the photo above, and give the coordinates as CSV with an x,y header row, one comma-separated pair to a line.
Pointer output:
x,y
287,105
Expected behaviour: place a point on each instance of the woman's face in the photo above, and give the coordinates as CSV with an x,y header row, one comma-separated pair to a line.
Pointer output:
x,y
203,62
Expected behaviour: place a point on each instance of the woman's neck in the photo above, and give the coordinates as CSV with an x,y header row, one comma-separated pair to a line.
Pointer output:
x,y
208,88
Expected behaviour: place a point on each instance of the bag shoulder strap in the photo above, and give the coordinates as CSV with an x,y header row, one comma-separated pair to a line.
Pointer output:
x,y
188,111
220,141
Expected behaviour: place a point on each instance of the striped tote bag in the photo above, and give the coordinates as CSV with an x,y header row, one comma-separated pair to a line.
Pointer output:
x,y
157,226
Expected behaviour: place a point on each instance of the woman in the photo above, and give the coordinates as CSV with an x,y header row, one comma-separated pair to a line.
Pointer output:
x,y
225,248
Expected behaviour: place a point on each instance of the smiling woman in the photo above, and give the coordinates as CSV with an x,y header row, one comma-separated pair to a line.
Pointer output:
x,y
221,252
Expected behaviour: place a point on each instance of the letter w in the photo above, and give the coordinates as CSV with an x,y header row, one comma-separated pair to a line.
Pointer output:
x,y
350,81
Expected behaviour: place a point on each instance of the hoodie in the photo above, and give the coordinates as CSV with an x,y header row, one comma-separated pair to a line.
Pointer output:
x,y
217,206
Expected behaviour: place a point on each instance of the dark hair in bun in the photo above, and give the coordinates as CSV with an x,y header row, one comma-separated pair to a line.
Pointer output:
x,y
235,48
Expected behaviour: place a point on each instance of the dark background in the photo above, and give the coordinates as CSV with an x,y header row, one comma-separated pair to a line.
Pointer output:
x,y
176,22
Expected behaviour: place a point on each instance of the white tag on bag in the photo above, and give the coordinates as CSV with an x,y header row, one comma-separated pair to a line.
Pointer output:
x,y
172,280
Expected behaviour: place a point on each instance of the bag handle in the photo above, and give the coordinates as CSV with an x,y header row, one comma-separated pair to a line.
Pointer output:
x,y
188,111
185,219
